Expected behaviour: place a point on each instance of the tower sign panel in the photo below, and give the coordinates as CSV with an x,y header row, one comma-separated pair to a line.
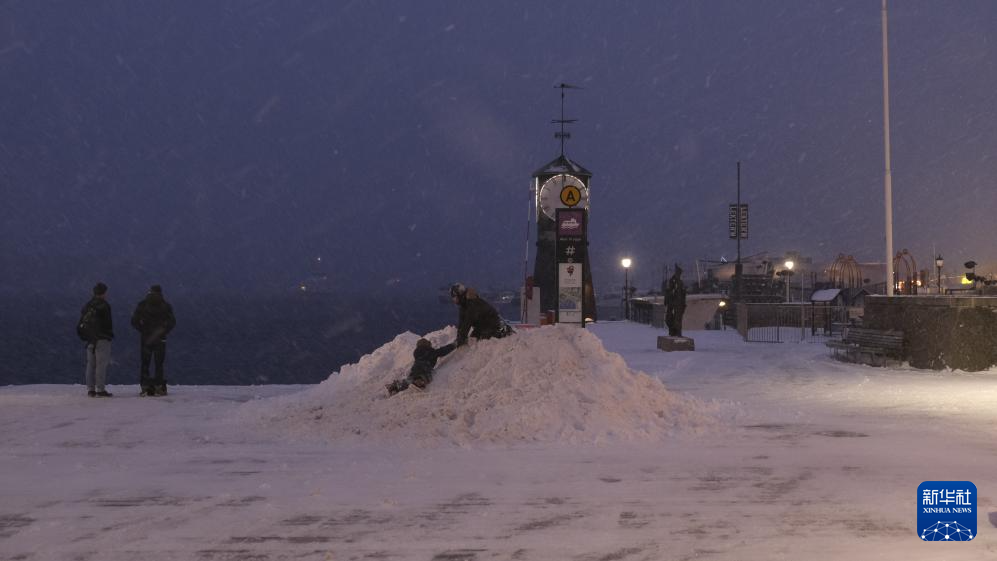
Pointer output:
x,y
570,229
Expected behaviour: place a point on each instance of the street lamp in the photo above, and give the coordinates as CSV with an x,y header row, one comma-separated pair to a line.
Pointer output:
x,y
626,262
971,275
789,276
938,265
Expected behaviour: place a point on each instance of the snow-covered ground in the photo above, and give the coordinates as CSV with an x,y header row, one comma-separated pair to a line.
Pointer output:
x,y
541,446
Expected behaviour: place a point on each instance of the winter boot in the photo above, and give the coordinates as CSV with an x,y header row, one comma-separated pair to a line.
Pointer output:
x,y
396,386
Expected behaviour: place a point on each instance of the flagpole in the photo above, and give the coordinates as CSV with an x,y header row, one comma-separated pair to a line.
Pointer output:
x,y
887,179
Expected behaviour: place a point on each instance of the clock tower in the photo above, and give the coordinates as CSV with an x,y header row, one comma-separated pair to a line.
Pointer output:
x,y
560,186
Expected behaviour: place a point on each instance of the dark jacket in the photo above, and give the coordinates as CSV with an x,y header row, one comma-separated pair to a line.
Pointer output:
x,y
425,359
675,293
153,318
105,327
481,316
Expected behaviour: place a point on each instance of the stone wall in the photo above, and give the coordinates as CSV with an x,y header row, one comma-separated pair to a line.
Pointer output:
x,y
957,332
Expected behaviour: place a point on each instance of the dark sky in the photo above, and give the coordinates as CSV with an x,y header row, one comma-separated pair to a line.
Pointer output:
x,y
226,145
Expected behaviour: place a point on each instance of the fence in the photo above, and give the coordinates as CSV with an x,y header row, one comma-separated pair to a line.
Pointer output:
x,y
793,322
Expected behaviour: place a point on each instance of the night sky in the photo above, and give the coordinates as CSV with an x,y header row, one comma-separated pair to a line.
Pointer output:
x,y
227,145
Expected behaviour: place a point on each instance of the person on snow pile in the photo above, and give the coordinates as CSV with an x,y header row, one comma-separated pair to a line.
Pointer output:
x,y
421,373
98,335
476,314
154,319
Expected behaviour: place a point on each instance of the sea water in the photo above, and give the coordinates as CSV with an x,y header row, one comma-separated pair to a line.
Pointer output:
x,y
219,339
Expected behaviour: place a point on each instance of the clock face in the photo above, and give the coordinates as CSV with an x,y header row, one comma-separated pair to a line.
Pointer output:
x,y
562,191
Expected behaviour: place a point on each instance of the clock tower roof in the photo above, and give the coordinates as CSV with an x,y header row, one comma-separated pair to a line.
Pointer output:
x,y
562,164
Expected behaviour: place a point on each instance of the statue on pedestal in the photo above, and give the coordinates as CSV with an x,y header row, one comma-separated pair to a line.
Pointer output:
x,y
675,303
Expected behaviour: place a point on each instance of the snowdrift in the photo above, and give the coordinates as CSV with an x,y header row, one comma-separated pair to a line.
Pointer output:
x,y
549,384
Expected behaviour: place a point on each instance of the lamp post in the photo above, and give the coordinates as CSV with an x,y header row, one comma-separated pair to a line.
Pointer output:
x,y
626,262
971,274
789,276
938,265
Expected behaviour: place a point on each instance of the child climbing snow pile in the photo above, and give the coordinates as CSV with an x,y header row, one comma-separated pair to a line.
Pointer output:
x,y
421,373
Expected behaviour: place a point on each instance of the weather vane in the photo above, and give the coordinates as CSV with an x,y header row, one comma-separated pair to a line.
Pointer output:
x,y
562,135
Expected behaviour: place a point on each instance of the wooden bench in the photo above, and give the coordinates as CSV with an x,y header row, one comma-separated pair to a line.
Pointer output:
x,y
875,347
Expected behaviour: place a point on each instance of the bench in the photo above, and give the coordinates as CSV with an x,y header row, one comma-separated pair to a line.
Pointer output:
x,y
875,347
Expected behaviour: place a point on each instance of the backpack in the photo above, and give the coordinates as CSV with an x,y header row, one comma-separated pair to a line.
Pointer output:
x,y
86,328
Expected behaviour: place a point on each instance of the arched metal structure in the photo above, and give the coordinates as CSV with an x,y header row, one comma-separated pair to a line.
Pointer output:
x,y
905,274
845,272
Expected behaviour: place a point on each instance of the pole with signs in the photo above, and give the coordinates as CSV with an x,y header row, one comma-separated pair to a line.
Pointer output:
x,y
737,222
739,218
737,225
570,230
738,269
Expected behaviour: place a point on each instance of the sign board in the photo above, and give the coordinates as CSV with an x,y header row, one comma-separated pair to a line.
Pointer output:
x,y
570,223
571,196
570,229
732,221
569,292
569,250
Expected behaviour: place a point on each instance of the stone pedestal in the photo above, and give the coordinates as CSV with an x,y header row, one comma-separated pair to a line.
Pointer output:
x,y
668,343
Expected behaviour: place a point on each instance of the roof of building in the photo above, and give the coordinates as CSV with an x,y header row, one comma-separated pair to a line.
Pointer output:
x,y
562,164
825,295
854,292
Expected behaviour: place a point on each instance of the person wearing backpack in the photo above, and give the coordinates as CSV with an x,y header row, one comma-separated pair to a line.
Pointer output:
x,y
153,318
96,328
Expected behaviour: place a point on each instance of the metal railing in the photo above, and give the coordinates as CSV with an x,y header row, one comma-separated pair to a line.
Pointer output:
x,y
790,323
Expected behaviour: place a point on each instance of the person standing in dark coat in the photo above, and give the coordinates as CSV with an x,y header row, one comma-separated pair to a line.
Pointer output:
x,y
675,301
99,342
153,318
421,373
476,314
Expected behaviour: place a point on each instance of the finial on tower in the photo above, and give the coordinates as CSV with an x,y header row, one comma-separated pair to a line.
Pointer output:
x,y
562,135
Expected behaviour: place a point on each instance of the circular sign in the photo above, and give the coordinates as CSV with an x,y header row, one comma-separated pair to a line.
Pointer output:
x,y
570,196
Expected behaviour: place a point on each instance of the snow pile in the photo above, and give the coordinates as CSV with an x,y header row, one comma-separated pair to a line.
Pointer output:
x,y
551,384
